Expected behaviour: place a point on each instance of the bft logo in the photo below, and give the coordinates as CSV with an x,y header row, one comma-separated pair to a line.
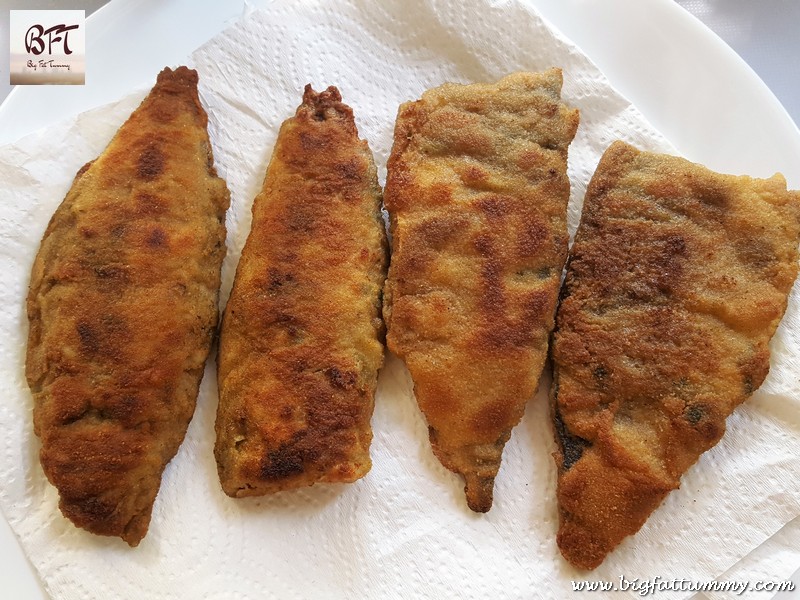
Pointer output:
x,y
34,38
47,47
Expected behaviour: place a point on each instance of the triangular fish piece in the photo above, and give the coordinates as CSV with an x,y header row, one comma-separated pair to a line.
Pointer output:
x,y
123,308
676,282
477,194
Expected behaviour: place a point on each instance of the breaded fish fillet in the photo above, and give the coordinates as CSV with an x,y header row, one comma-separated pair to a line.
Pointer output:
x,y
302,338
477,193
123,307
676,282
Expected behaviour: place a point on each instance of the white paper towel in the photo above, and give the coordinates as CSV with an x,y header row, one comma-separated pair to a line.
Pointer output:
x,y
775,560
403,531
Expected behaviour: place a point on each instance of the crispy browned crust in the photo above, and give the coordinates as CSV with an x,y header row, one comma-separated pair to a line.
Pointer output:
x,y
477,192
676,282
302,338
122,307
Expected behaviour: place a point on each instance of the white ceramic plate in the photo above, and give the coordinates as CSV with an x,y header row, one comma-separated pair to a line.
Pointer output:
x,y
686,81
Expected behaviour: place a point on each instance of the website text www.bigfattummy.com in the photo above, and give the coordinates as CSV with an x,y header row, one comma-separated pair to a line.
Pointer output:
x,y
646,587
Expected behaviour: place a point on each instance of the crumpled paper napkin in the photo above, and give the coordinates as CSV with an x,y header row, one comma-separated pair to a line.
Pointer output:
x,y
404,531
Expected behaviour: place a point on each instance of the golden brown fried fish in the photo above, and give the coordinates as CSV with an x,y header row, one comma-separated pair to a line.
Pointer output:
x,y
122,308
477,192
302,338
676,282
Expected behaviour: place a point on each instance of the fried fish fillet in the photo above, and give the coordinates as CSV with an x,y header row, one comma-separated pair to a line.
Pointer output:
x,y
302,337
123,306
477,192
676,282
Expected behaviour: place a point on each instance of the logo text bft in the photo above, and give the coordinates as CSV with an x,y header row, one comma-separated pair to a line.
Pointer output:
x,y
34,38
